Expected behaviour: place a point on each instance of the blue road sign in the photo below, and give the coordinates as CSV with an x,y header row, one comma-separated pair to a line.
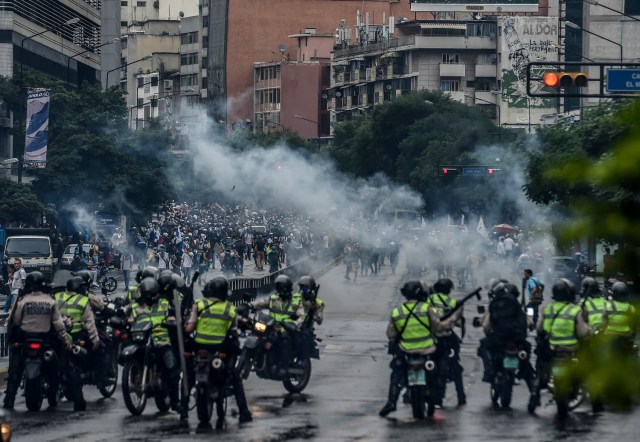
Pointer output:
x,y
473,171
623,80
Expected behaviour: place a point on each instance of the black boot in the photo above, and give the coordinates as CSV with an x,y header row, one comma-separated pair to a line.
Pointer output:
x,y
241,401
394,393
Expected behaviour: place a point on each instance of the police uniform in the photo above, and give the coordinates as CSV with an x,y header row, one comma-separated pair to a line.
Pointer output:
x,y
448,340
215,326
32,315
76,308
595,311
156,314
412,325
563,323
317,304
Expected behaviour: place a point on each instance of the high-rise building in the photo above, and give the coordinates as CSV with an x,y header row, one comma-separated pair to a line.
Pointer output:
x,y
48,36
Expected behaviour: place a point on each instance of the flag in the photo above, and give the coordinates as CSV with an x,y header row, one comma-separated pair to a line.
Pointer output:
x,y
36,140
482,230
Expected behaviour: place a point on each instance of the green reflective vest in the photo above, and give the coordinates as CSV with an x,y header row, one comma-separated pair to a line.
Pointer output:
x,y
60,297
415,335
595,308
442,303
132,293
560,323
283,311
215,318
73,306
156,315
620,318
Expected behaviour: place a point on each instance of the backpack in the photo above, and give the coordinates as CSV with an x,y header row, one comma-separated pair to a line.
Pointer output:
x,y
508,320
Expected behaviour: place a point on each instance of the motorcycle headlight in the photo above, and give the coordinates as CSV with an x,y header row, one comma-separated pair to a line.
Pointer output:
x,y
260,327
5,432
138,337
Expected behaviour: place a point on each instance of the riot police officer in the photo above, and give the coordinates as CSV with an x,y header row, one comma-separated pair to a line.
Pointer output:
x,y
214,321
33,315
151,308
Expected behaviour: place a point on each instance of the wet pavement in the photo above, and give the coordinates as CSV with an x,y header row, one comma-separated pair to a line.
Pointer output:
x,y
348,387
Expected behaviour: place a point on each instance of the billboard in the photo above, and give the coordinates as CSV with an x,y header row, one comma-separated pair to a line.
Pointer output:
x,y
37,132
474,5
525,40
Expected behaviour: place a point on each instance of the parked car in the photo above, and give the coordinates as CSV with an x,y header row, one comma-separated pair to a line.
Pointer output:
x,y
67,256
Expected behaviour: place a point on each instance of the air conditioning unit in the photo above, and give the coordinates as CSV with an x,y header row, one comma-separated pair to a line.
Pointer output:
x,y
349,101
398,92
168,84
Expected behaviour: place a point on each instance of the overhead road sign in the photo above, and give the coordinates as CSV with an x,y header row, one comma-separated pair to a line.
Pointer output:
x,y
623,80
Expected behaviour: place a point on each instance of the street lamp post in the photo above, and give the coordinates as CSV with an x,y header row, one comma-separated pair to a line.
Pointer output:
x,y
146,57
23,115
575,26
84,52
497,114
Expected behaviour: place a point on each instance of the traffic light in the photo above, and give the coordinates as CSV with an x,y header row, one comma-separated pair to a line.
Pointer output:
x,y
561,80
448,171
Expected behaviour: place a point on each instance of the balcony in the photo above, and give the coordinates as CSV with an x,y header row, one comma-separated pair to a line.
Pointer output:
x,y
486,70
485,97
452,70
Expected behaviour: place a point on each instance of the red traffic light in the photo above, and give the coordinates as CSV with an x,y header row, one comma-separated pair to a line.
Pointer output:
x,y
445,170
551,79
560,80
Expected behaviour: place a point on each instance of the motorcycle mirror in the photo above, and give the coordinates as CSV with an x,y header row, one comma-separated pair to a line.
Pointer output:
x,y
476,322
481,309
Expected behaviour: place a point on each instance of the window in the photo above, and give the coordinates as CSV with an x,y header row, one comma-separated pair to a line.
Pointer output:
x,y
204,62
451,58
449,85
140,81
486,84
187,59
204,83
141,4
189,38
205,21
140,101
205,41
632,7
189,80
481,30
124,24
124,3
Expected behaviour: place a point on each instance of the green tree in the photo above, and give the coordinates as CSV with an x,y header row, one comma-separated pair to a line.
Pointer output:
x,y
19,204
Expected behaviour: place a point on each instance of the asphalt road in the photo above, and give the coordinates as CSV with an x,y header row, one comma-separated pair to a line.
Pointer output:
x,y
347,389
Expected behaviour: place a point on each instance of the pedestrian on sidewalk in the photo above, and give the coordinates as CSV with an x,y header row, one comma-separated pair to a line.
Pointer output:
x,y
126,264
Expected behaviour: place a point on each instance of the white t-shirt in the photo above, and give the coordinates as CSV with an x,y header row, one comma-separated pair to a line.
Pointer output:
x,y
187,261
127,260
508,244
18,277
500,248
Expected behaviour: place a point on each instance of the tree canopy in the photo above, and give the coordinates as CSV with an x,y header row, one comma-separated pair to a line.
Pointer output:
x,y
410,137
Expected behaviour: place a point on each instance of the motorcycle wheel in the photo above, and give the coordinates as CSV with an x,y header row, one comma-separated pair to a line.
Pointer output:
x,y
112,370
507,389
204,403
161,395
110,284
418,401
33,394
297,383
244,363
133,392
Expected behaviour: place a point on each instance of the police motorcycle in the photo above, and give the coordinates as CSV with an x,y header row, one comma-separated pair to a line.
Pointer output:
x,y
113,332
212,384
141,376
40,361
260,352
422,383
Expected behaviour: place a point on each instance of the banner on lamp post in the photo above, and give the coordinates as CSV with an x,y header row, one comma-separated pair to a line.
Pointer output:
x,y
37,132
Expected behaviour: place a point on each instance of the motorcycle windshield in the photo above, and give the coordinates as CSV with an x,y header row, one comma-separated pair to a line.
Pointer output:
x,y
265,319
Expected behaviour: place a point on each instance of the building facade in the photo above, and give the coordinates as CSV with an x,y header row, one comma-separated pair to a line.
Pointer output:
x,y
46,36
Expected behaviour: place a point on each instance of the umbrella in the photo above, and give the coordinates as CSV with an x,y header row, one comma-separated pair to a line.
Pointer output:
x,y
504,229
